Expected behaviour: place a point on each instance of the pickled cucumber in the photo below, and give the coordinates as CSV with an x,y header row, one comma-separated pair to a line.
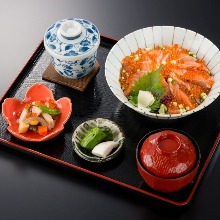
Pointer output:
x,y
108,132
92,138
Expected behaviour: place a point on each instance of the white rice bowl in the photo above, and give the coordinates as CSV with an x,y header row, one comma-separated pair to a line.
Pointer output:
x,y
151,37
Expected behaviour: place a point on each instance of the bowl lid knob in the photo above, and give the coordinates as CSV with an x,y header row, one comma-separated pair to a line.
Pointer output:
x,y
168,144
71,30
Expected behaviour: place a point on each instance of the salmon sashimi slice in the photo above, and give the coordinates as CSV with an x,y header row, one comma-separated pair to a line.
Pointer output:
x,y
182,83
180,96
146,65
185,57
200,78
188,64
156,56
131,80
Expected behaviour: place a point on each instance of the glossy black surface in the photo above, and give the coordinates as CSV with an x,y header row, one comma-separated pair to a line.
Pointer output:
x,y
34,189
98,101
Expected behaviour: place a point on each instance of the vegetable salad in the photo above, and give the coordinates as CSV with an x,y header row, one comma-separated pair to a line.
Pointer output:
x,y
39,117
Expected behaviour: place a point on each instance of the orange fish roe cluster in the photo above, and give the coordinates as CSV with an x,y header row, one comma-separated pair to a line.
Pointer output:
x,y
52,104
31,115
186,79
28,106
37,103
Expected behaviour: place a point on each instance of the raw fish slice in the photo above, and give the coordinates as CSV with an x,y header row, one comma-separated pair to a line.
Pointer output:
x,y
200,78
179,81
178,71
186,58
165,58
146,65
131,79
188,64
186,61
180,96
159,57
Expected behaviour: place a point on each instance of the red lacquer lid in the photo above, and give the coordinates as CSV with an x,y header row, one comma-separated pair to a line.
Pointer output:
x,y
168,154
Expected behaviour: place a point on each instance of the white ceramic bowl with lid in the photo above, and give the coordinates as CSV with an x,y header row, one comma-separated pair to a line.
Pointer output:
x,y
72,44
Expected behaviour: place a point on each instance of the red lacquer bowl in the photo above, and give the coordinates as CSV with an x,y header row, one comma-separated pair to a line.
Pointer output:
x,y
12,107
167,160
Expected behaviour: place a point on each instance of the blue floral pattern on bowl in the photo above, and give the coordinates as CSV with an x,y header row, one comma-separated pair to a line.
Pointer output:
x,y
72,44
74,69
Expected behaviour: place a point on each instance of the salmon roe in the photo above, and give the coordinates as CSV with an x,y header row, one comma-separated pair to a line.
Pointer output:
x,y
186,79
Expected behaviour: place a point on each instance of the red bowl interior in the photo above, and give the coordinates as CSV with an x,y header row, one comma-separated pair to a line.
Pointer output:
x,y
164,184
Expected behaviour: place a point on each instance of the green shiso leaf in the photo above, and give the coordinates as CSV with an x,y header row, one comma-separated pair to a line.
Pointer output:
x,y
149,82
133,100
155,106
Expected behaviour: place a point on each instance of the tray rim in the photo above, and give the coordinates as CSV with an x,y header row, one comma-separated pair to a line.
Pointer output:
x,y
34,56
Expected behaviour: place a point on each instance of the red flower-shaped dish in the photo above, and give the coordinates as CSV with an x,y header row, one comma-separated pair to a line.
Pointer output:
x,y
12,107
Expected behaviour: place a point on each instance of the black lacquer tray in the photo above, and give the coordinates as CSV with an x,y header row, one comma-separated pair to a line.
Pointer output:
x,y
98,101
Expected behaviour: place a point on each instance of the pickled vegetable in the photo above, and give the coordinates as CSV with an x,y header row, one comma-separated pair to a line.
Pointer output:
x,y
108,132
103,149
92,138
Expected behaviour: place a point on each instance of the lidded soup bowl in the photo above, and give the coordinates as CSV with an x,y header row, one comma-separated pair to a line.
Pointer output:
x,y
167,160
72,44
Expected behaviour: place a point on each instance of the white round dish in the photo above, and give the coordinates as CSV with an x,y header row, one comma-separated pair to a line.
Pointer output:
x,y
84,128
156,36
